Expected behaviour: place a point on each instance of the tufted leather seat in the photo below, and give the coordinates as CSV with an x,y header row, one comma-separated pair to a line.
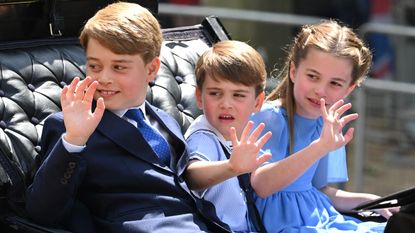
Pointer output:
x,y
32,74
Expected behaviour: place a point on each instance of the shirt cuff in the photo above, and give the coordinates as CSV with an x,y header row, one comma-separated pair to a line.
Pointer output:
x,y
70,147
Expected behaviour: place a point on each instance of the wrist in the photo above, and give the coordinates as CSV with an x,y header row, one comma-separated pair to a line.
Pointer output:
x,y
232,170
319,147
77,141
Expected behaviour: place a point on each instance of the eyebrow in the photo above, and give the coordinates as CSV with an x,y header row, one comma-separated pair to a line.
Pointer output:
x,y
333,78
220,89
339,80
115,61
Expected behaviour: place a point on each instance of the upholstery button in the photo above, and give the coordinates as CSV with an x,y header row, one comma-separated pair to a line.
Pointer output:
x,y
180,179
179,79
37,148
180,107
151,83
1,93
31,87
34,120
3,124
62,84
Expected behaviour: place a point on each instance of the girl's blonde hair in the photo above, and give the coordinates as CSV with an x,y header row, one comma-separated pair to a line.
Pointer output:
x,y
327,36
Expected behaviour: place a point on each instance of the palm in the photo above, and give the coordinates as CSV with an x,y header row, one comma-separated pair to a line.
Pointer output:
x,y
244,157
76,101
334,121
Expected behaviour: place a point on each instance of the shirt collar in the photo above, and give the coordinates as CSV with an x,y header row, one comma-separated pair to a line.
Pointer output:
x,y
121,112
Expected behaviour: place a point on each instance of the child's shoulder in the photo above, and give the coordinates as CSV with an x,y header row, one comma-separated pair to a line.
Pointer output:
x,y
271,110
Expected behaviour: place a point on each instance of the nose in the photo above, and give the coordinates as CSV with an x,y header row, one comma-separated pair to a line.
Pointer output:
x,y
225,103
320,90
104,77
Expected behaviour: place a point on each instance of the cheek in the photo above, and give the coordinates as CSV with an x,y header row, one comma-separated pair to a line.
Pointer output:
x,y
336,95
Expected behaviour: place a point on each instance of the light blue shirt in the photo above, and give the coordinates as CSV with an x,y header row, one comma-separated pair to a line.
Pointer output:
x,y
206,143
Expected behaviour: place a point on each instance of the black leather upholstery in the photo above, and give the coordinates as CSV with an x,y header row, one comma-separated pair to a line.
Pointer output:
x,y
32,74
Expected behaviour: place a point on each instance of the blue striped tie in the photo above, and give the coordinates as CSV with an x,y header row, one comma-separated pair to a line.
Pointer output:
x,y
152,136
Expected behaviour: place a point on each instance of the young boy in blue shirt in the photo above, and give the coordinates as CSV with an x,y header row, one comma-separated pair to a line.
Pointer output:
x,y
230,79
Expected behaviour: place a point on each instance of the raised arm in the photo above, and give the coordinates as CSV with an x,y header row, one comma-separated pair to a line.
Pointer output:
x,y
275,176
52,193
202,174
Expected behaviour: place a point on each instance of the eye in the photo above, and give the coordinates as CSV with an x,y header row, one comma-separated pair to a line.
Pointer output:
x,y
336,84
214,93
119,68
94,67
239,95
312,76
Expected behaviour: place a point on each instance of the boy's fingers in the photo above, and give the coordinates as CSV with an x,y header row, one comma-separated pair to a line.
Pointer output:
x,y
72,86
89,93
261,142
257,131
99,110
245,132
81,88
234,138
63,94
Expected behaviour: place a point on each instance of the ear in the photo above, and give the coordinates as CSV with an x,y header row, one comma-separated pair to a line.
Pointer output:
x,y
259,100
199,101
349,90
292,72
152,68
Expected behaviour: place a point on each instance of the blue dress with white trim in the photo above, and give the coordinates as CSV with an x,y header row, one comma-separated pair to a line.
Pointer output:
x,y
301,207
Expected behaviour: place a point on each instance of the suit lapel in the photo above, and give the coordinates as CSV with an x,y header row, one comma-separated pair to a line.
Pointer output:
x,y
125,135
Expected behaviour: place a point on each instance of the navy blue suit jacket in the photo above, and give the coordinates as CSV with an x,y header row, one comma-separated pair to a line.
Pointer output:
x,y
120,180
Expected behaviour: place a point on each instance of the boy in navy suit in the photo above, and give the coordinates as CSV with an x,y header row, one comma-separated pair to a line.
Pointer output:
x,y
92,153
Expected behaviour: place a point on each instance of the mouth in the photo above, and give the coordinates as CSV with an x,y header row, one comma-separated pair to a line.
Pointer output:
x,y
226,117
314,102
106,93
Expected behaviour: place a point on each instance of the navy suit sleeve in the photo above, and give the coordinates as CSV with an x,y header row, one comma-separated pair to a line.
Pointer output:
x,y
53,191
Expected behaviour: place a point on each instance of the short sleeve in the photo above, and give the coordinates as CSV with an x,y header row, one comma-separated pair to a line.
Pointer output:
x,y
274,121
204,146
331,169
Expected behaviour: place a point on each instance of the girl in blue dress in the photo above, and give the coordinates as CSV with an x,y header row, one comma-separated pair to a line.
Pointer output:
x,y
305,115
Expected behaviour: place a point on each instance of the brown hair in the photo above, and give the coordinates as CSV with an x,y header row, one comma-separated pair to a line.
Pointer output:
x,y
327,36
125,28
234,61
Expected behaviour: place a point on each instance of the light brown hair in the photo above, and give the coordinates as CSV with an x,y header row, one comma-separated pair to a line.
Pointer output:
x,y
125,28
234,61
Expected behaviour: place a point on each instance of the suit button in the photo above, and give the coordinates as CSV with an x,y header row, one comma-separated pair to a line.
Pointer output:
x,y
72,165
67,175
64,181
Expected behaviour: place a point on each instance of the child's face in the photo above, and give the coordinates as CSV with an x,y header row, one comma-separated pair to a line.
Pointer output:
x,y
320,75
227,104
122,79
